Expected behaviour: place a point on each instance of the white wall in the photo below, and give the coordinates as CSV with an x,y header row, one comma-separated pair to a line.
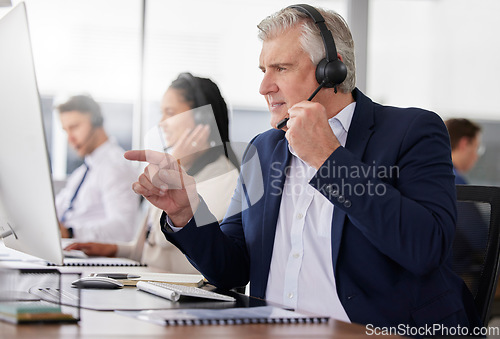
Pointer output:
x,y
438,54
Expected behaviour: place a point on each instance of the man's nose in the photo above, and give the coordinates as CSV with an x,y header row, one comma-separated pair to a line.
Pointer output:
x,y
268,85
71,138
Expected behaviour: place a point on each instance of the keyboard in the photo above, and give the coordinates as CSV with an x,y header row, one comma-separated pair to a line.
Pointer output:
x,y
174,292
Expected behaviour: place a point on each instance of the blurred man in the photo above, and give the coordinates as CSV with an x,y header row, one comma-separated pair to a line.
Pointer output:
x,y
97,203
465,139
471,233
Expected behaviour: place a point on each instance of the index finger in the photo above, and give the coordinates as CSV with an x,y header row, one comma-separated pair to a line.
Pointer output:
x,y
150,156
302,104
299,107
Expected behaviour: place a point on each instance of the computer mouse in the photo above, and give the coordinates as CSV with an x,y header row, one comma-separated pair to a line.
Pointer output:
x,y
97,282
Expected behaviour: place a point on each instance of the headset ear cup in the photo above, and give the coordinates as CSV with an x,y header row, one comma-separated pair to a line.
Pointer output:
x,y
334,72
97,120
203,115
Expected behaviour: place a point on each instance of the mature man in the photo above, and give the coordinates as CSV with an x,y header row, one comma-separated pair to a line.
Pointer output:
x,y
97,203
357,214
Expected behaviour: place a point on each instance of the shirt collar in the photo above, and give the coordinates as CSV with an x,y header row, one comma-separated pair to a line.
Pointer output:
x,y
345,116
99,153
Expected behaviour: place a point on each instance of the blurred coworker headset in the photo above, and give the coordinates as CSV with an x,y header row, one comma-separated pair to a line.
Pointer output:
x,y
96,120
200,116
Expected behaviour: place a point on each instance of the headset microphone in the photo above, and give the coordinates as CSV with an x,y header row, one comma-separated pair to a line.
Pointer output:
x,y
283,122
330,71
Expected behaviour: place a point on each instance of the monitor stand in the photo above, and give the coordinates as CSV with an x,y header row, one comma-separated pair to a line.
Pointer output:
x,y
8,232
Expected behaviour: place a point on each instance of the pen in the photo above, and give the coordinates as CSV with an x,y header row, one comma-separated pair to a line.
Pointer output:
x,y
116,275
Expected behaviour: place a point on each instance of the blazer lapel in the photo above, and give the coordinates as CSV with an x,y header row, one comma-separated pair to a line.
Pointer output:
x,y
361,127
359,134
281,158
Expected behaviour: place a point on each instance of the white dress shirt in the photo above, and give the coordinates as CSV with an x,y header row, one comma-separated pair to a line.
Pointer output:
x,y
301,274
105,207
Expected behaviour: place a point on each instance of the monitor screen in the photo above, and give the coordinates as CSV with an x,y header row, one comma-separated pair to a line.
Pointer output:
x,y
26,197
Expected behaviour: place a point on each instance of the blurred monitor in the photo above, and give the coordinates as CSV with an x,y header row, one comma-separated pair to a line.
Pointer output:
x,y
27,209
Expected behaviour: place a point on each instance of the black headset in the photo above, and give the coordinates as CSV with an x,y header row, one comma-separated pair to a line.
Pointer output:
x,y
96,120
200,116
331,70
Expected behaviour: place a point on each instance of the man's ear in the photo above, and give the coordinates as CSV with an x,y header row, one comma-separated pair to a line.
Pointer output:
x,y
463,143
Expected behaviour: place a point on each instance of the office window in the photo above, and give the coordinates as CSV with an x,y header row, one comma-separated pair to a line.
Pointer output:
x,y
440,55
90,47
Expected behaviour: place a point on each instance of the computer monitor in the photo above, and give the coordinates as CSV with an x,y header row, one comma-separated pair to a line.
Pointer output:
x,y
27,208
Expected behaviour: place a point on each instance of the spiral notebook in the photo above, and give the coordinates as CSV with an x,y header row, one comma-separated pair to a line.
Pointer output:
x,y
99,261
224,316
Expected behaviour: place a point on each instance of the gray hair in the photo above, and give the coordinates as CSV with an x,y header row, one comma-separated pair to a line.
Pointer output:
x,y
311,40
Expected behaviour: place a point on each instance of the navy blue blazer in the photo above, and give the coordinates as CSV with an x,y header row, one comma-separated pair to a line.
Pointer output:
x,y
390,244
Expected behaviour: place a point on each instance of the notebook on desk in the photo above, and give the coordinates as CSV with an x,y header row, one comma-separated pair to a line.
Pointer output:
x,y
99,261
225,316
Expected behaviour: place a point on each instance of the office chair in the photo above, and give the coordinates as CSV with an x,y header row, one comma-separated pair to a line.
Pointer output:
x,y
476,247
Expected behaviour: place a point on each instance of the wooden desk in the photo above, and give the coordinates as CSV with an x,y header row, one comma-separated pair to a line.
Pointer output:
x,y
96,325
106,324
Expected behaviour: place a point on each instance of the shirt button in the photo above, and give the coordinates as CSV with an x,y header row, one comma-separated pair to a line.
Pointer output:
x,y
300,216
296,255
290,295
347,203
341,199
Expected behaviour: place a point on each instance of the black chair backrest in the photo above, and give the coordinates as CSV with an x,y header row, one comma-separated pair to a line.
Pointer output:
x,y
476,248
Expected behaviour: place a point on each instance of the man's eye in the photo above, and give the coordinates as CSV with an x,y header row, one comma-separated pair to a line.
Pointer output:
x,y
280,69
